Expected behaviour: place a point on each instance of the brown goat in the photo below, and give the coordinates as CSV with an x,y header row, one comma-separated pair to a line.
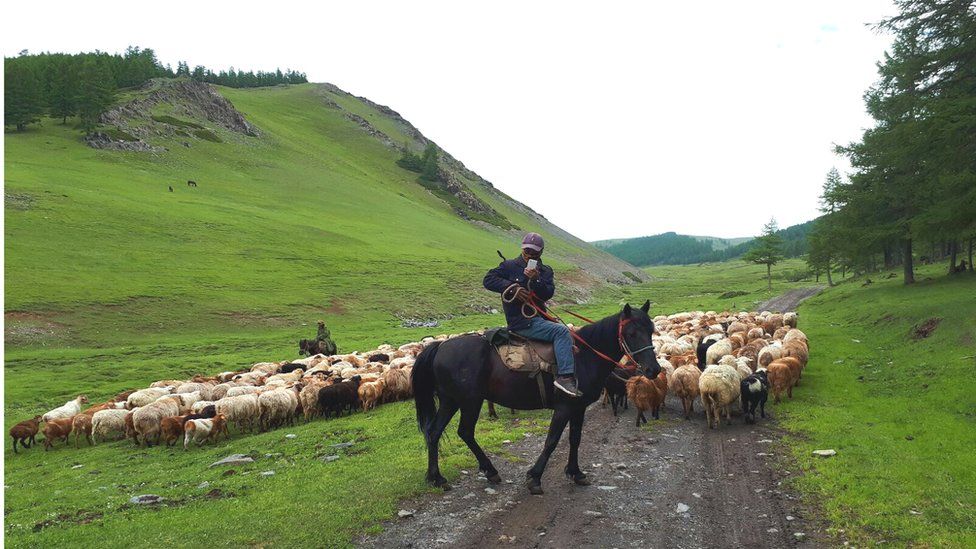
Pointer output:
x,y
24,432
56,428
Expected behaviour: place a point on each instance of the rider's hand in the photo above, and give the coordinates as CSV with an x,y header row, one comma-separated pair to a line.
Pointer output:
x,y
532,273
522,294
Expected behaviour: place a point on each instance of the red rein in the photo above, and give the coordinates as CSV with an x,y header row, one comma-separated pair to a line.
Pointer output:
x,y
628,365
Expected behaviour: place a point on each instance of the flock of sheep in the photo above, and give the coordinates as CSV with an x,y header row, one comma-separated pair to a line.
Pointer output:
x,y
720,358
717,357
264,396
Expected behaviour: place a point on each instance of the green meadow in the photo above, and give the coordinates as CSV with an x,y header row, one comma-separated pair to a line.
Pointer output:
x,y
113,282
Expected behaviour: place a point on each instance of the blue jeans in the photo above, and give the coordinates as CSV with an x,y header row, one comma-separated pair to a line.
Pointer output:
x,y
562,342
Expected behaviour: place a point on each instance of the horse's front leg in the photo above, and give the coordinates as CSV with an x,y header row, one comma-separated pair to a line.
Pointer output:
x,y
559,420
575,436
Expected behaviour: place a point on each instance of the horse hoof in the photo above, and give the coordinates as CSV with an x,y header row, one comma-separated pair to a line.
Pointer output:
x,y
536,489
495,478
580,479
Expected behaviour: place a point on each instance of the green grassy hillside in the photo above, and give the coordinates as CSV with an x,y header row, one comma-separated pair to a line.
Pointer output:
x,y
313,218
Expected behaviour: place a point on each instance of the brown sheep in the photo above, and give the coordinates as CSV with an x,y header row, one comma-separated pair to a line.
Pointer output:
x,y
56,428
647,394
780,379
371,393
755,333
684,385
81,425
171,429
795,369
773,323
25,431
780,333
797,350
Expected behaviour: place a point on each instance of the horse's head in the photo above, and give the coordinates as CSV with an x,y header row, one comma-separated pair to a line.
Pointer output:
x,y
636,329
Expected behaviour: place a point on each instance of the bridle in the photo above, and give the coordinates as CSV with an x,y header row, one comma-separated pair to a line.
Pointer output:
x,y
627,362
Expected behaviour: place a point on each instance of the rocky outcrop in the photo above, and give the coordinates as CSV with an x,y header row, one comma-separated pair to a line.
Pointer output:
x,y
100,140
187,98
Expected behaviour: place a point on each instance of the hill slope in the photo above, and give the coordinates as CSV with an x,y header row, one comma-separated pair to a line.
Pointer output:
x,y
299,211
678,249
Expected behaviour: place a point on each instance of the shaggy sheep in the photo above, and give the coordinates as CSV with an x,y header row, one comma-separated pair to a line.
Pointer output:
x,y
684,385
755,333
781,379
337,398
371,393
242,410
242,390
796,335
718,387
647,394
205,389
146,396
147,420
171,429
266,368
772,323
789,319
717,351
308,398
24,432
106,423
164,383
770,353
798,350
295,375
220,391
67,410
277,407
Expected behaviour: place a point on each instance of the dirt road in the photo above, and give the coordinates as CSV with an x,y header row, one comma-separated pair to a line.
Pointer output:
x,y
790,300
675,485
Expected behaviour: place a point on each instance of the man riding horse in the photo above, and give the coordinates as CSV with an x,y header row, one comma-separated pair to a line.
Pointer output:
x,y
525,284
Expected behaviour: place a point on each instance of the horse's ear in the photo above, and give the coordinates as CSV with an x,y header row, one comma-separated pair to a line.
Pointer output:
x,y
646,306
627,311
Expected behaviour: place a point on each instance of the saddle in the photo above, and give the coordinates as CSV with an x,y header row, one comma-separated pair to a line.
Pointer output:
x,y
521,354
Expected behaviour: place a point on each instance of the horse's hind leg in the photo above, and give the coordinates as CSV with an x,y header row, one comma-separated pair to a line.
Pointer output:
x,y
469,418
444,414
491,411
559,420
575,436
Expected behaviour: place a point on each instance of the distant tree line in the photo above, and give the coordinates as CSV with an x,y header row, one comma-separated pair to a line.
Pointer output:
x,y
677,249
912,193
65,85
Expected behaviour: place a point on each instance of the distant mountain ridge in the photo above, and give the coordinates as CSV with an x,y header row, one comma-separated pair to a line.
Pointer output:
x,y
678,249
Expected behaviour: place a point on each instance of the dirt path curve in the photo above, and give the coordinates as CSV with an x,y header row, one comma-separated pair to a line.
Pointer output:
x,y
790,300
677,485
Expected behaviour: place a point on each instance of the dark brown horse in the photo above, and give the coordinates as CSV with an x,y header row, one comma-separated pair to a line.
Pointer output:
x,y
465,371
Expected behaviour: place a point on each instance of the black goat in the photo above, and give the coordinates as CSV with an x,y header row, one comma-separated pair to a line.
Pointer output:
x,y
289,368
339,397
702,352
754,391
208,412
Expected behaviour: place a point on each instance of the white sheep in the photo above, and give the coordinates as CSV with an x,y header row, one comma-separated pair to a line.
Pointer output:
x,y
106,423
295,375
719,388
146,396
205,389
770,353
717,351
66,410
242,410
199,405
789,319
242,390
148,419
276,407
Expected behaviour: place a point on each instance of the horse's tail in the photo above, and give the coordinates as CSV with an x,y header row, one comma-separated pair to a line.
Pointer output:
x,y
422,379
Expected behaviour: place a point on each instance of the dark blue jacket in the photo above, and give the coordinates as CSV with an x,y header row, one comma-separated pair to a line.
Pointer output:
x,y
512,271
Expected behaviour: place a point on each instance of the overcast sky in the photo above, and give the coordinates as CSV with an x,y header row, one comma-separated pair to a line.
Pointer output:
x,y
612,119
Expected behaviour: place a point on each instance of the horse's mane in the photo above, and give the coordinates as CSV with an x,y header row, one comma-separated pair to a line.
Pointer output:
x,y
602,334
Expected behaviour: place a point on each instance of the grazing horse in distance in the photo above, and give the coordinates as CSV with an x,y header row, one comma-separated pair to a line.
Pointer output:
x,y
465,371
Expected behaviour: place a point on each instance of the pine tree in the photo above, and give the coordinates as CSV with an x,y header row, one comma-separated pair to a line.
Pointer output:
x,y
767,250
429,160
22,99
96,91
63,93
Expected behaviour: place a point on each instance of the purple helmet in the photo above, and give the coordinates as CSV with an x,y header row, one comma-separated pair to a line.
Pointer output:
x,y
533,241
